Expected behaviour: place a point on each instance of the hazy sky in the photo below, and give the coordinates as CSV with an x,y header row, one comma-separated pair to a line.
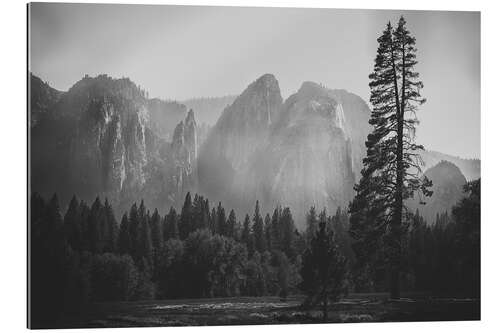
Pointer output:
x,y
178,52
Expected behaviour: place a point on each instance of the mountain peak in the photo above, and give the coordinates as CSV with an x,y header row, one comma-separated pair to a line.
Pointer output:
x,y
190,117
446,171
257,105
309,88
267,79
447,186
266,84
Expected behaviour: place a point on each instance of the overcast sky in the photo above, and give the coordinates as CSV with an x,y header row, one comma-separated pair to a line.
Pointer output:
x,y
178,52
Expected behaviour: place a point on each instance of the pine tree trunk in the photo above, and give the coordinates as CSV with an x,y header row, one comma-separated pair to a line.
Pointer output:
x,y
398,213
398,205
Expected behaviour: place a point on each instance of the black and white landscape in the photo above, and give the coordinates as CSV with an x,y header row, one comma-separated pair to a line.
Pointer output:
x,y
258,205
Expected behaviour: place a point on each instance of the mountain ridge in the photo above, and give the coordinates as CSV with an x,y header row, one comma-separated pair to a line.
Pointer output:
x,y
124,139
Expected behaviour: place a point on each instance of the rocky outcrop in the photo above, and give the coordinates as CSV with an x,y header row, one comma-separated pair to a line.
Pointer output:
x,y
98,130
240,133
98,140
184,149
471,168
105,137
42,98
296,154
447,186
310,153
357,115
164,115
209,109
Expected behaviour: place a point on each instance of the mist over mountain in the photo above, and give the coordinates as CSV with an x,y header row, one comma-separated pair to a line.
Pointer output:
x,y
209,109
470,167
447,186
99,139
297,153
105,137
164,116
310,153
227,157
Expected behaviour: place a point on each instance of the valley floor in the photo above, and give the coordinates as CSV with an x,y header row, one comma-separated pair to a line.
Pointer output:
x,y
272,310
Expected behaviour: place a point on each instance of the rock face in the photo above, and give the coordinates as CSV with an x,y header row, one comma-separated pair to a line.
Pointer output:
x,y
42,98
310,153
241,132
109,144
184,149
105,137
447,184
471,168
357,115
97,140
296,154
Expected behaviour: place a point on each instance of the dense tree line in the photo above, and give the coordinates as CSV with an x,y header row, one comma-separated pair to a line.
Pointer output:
x,y
440,257
86,256
444,258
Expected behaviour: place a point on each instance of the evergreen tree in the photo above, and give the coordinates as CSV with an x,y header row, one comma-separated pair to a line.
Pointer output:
x,y
231,225
186,220
205,214
124,242
275,229
111,228
288,233
142,211
200,213
97,222
467,214
258,229
73,224
171,228
311,223
220,220
323,270
145,246
247,237
134,222
156,230
392,166
212,221
268,232
48,262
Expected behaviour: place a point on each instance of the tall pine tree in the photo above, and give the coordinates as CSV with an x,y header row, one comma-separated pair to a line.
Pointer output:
x,y
392,167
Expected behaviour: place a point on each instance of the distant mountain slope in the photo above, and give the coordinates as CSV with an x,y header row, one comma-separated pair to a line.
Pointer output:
x,y
357,114
209,109
241,131
447,186
297,153
42,98
105,137
310,153
471,168
164,116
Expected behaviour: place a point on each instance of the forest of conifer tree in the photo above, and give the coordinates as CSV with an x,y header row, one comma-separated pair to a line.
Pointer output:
x,y
83,255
